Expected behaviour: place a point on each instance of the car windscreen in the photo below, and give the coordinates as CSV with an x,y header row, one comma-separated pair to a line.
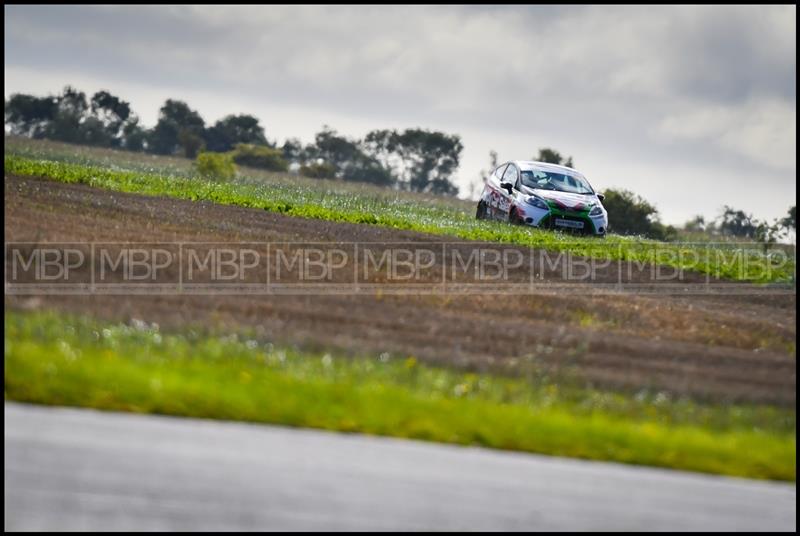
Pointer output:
x,y
549,180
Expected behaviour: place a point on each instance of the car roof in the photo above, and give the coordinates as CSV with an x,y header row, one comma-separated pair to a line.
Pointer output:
x,y
545,166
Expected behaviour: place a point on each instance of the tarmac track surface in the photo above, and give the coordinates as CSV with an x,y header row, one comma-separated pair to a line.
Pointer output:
x,y
68,469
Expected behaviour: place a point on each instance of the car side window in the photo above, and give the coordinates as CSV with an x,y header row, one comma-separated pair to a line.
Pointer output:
x,y
499,171
511,174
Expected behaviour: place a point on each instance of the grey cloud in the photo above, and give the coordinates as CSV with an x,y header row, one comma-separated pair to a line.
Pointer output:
x,y
511,53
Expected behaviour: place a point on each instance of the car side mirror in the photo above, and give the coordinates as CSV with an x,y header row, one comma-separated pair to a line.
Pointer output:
x,y
507,187
600,197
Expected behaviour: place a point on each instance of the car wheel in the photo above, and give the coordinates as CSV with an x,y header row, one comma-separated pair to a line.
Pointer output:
x,y
514,218
480,214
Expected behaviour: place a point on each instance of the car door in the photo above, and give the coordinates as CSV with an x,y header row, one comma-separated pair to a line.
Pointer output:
x,y
494,198
506,200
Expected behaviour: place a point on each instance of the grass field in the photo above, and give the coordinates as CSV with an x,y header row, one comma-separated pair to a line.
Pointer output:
x,y
184,167
335,201
75,361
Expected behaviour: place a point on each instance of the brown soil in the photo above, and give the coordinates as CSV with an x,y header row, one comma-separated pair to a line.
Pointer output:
x,y
720,347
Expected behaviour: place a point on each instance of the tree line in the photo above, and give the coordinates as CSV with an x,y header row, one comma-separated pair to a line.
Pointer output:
x,y
630,214
415,159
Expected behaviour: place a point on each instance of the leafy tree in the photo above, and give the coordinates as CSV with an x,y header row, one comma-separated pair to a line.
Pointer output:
x,y
318,171
420,160
134,137
259,156
190,141
770,233
112,113
71,110
767,233
30,116
111,109
737,223
334,149
347,157
293,151
630,214
663,232
163,138
233,129
789,222
93,132
695,225
551,156
364,168
178,128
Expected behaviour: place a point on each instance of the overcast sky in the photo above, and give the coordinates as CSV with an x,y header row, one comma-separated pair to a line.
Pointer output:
x,y
691,107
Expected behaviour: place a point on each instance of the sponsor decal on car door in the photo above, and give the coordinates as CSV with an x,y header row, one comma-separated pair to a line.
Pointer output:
x,y
500,203
497,200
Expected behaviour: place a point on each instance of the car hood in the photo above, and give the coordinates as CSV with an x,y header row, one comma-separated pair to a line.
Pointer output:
x,y
564,200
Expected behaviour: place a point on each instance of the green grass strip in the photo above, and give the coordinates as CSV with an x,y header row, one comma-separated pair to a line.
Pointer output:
x,y
725,261
75,361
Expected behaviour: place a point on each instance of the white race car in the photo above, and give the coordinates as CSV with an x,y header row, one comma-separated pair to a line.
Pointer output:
x,y
543,195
